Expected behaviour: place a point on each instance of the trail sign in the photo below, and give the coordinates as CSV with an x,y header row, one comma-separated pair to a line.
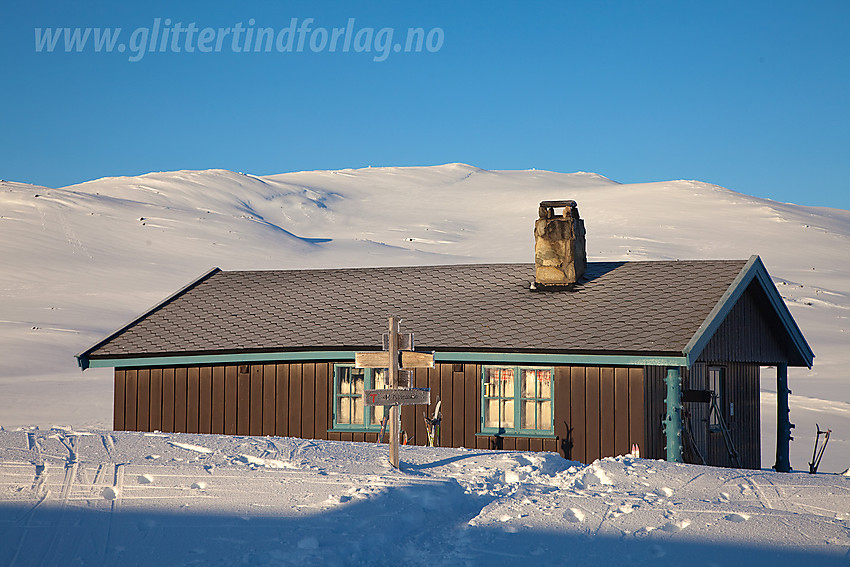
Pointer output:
x,y
402,397
405,341
404,359
413,359
398,353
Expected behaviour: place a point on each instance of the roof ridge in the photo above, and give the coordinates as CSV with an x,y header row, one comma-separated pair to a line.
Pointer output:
x,y
477,265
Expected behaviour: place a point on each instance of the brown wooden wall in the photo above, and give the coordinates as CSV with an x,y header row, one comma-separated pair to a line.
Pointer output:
x,y
742,412
741,394
598,411
253,399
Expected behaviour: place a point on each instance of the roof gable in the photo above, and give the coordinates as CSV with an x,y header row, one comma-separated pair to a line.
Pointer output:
x,y
784,332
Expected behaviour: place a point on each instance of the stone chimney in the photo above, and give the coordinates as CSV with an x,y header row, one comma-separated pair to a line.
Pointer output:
x,y
559,248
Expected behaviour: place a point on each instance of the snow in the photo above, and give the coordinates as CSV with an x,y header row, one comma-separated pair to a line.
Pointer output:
x,y
81,261
68,498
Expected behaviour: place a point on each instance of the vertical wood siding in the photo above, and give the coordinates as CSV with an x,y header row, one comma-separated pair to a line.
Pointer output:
x,y
294,417
168,400
655,391
565,441
179,399
749,333
697,412
193,399
598,411
155,401
230,395
740,406
143,384
218,388
741,410
592,415
118,408
205,404
607,417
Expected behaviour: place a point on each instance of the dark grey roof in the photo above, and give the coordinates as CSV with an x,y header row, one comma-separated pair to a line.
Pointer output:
x,y
617,307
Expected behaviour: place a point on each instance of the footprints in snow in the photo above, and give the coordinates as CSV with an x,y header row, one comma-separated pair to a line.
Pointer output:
x,y
574,515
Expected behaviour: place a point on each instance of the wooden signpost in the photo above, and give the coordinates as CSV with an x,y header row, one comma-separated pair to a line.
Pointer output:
x,y
398,354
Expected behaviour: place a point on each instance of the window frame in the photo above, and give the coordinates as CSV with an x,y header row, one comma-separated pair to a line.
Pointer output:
x,y
369,375
720,390
517,398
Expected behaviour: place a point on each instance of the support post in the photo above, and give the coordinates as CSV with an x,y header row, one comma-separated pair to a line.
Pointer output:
x,y
673,420
393,370
783,421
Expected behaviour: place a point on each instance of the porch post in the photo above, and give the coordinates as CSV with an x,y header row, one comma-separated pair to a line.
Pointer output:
x,y
673,420
783,420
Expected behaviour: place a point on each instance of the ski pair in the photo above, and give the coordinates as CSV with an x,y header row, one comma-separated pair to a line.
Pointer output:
x,y
432,425
404,439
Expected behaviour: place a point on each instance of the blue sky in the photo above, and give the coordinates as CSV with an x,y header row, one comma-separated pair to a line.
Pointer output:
x,y
754,96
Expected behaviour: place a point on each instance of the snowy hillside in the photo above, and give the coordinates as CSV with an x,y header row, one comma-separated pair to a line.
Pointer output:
x,y
80,261
100,498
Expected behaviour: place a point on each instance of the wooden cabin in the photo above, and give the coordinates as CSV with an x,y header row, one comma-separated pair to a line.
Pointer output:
x,y
583,358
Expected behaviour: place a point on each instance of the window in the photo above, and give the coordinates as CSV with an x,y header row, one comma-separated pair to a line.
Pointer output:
x,y
516,400
349,409
715,386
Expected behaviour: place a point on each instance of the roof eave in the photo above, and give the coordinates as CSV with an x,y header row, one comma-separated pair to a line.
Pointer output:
x,y
480,357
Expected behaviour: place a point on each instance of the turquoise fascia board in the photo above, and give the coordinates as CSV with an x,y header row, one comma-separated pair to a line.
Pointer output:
x,y
753,269
480,357
541,358
223,358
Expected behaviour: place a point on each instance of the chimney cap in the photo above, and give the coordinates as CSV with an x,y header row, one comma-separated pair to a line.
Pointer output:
x,y
565,203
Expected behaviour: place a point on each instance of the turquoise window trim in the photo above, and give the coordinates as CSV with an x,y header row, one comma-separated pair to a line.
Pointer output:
x,y
517,430
368,383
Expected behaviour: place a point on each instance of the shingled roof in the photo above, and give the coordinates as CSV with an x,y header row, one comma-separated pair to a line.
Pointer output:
x,y
651,308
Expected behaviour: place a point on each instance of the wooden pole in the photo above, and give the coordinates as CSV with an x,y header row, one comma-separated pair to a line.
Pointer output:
x,y
393,370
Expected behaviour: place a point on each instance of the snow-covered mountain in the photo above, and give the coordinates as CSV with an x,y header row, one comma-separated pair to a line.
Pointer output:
x,y
80,261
